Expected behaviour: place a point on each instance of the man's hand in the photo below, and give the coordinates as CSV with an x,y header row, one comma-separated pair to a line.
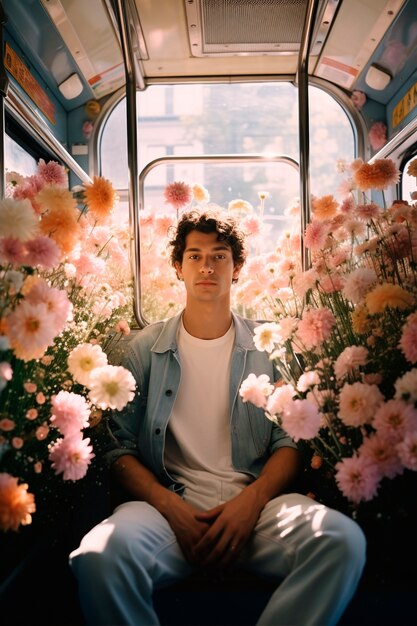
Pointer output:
x,y
231,525
182,517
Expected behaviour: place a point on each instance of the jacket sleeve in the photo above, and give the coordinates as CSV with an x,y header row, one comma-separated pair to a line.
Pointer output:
x,y
123,426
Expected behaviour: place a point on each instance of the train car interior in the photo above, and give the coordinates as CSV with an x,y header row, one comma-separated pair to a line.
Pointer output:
x,y
259,101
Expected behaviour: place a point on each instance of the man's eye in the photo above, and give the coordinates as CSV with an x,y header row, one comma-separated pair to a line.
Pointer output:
x,y
220,256
193,256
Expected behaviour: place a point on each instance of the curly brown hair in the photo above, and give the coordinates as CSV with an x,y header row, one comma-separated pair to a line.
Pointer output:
x,y
211,219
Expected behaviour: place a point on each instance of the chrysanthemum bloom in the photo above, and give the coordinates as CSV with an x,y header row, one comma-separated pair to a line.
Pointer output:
x,y
240,205
315,327
256,389
71,456
12,251
303,281
357,478
377,135
407,451
412,168
17,219
31,329
393,418
324,208
70,412
100,197
52,197
201,195
52,173
388,295
316,235
266,336
308,380
16,503
252,225
178,194
162,224
42,251
358,403
350,360
360,319
408,341
61,224
358,283
279,399
368,211
56,300
380,452
111,387
301,420
83,360
379,175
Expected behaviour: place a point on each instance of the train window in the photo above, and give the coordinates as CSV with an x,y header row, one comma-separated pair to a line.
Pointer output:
x,y
17,159
224,119
408,183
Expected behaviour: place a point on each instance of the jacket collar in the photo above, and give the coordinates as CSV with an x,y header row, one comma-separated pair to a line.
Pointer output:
x,y
167,339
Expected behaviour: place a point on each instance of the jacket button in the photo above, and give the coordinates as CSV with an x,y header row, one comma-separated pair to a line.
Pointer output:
x,y
157,431
168,392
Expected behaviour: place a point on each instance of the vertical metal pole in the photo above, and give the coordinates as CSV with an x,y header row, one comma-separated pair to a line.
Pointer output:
x,y
304,126
4,84
132,149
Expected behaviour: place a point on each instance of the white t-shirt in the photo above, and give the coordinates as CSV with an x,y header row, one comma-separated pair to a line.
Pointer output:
x,y
198,442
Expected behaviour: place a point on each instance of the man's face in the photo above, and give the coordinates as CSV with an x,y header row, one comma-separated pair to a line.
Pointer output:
x,y
207,267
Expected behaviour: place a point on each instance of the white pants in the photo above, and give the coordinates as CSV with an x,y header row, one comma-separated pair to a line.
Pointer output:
x,y
315,554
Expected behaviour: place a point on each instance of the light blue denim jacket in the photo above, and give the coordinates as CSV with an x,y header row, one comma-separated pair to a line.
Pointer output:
x,y
153,359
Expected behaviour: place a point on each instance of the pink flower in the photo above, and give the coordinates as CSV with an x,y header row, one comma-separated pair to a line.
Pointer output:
x,y
393,418
178,194
256,389
279,399
358,98
43,251
58,305
301,419
350,360
379,451
70,412
407,451
315,327
122,326
358,403
408,341
252,225
377,135
358,283
357,478
71,456
31,330
316,235
52,173
12,251
163,223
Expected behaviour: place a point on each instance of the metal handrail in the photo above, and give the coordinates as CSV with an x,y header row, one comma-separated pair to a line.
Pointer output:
x,y
303,124
207,158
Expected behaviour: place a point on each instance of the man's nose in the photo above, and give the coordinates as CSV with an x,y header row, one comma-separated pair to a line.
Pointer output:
x,y
206,268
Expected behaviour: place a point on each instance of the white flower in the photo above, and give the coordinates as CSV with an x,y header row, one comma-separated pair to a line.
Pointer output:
x,y
308,380
111,387
266,336
256,389
83,360
17,219
301,420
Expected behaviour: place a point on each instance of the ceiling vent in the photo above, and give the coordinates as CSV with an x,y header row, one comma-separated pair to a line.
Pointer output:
x,y
253,27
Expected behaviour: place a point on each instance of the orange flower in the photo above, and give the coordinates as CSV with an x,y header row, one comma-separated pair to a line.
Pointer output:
x,y
325,207
412,168
61,224
360,319
100,197
16,504
388,295
378,175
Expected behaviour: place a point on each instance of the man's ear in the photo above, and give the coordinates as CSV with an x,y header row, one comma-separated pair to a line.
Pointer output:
x,y
236,272
178,269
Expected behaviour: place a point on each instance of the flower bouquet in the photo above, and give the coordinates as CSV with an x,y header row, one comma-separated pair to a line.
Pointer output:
x,y
65,295
343,336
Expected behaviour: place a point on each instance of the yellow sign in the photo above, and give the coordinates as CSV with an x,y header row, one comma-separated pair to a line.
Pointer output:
x,y
405,106
20,72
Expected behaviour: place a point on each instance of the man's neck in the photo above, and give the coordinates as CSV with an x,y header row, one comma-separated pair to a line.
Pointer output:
x,y
207,321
